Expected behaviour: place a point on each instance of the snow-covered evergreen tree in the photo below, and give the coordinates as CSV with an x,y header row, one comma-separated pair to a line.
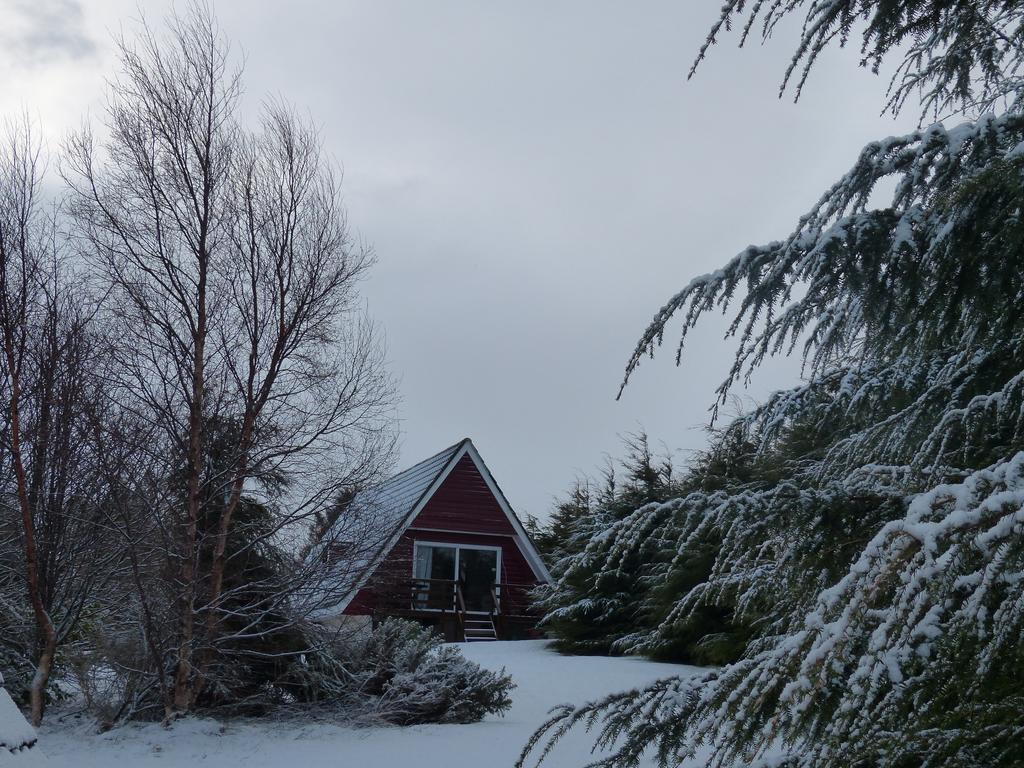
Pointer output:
x,y
880,541
590,606
618,576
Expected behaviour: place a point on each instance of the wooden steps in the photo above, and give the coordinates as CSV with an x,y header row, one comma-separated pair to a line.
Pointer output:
x,y
480,629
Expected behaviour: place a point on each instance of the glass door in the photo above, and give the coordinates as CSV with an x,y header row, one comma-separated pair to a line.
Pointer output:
x,y
478,573
437,567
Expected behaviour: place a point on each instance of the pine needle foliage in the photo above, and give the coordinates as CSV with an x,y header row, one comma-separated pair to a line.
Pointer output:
x,y
592,606
955,54
875,542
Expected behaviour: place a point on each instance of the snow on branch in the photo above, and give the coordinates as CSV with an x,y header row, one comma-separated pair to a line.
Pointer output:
x,y
956,56
937,583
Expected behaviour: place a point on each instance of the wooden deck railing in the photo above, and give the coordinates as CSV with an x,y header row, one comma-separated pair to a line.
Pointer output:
x,y
399,596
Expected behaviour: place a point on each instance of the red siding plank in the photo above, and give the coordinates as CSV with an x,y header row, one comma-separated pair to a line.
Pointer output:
x,y
464,503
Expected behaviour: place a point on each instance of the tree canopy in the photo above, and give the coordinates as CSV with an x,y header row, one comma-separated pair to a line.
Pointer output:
x,y
876,545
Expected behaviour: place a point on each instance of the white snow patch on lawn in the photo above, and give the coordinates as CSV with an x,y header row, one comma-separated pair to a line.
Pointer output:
x,y
544,679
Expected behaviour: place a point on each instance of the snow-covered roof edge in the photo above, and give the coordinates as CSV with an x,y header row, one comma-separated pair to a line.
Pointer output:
x,y
525,543
463,448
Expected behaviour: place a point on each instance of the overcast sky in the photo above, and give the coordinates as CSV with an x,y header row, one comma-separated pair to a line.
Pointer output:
x,y
536,179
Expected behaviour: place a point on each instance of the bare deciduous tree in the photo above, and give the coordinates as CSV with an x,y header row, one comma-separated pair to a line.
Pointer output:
x,y
23,254
239,340
51,400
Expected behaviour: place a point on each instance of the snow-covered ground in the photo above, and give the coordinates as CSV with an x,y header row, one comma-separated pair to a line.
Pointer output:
x,y
544,678
17,738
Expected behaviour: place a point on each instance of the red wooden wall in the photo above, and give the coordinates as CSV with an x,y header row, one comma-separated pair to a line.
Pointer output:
x,y
464,503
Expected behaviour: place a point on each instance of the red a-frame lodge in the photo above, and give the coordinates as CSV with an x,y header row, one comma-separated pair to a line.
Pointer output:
x,y
455,555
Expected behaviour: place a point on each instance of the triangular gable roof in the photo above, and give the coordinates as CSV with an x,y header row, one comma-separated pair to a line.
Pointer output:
x,y
394,499
400,499
526,544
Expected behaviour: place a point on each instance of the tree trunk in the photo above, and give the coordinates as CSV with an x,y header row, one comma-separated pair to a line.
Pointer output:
x,y
44,667
47,634
184,678
220,549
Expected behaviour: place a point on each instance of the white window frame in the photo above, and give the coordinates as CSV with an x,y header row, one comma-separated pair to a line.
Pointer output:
x,y
416,544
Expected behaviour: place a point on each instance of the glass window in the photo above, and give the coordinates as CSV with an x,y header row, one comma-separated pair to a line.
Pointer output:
x,y
438,567
434,562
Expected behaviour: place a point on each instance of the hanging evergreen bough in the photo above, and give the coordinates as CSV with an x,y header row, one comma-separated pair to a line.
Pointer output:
x,y
913,657
877,546
920,298
686,571
956,54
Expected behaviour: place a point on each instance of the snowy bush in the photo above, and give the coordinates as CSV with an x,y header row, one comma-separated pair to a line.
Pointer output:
x,y
400,673
404,674
17,637
17,737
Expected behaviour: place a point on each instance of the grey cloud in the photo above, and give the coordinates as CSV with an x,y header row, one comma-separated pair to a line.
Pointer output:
x,y
36,32
536,179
